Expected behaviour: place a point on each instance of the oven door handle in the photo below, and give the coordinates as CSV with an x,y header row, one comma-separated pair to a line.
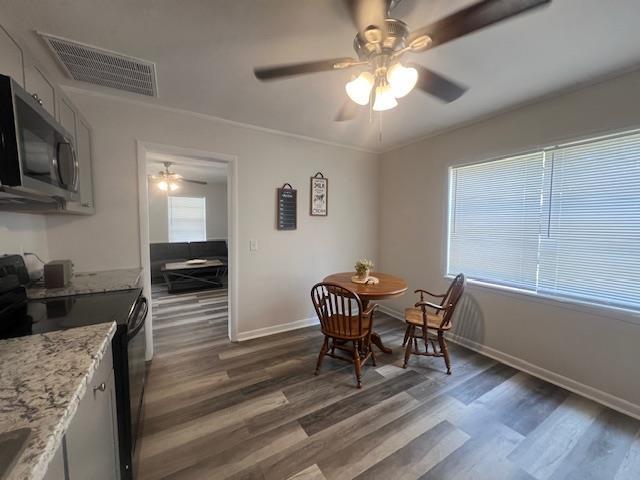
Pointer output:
x,y
141,318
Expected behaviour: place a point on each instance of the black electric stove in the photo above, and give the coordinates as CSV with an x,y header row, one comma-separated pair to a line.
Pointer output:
x,y
30,317
20,317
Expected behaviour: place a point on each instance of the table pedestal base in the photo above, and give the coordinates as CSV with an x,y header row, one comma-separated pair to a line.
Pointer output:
x,y
377,341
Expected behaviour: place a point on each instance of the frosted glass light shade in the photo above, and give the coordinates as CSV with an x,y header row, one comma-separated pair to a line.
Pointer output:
x,y
359,88
385,100
402,79
173,186
164,186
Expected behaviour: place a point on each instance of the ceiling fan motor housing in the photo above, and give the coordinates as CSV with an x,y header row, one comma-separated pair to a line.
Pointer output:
x,y
393,39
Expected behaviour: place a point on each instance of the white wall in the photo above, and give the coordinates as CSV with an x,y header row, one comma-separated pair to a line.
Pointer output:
x,y
274,282
589,346
23,232
215,195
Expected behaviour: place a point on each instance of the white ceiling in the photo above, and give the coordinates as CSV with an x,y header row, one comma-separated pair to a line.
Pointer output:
x,y
205,51
189,167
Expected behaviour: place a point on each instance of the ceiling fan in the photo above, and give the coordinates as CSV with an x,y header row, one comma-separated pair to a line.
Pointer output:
x,y
170,181
382,41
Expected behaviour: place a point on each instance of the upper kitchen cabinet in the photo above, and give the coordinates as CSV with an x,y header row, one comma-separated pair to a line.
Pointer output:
x,y
11,57
18,62
80,132
84,148
42,89
67,117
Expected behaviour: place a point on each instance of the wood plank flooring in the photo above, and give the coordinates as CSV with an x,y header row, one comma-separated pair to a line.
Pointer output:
x,y
254,410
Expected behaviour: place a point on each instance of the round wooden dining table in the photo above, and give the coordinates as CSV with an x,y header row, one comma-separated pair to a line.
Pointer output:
x,y
389,286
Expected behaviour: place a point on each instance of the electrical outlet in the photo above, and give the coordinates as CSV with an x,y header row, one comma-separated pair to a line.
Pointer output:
x,y
253,245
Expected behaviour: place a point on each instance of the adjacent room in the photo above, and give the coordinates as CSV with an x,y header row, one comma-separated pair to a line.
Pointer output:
x,y
320,239
188,252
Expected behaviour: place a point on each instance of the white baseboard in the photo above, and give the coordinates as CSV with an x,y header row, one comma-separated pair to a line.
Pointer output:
x,y
574,386
285,327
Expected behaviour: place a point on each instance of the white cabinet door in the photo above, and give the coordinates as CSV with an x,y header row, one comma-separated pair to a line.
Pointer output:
x,y
36,83
11,57
67,118
92,437
85,160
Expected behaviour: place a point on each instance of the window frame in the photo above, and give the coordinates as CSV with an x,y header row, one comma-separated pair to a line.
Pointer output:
x,y
204,211
623,314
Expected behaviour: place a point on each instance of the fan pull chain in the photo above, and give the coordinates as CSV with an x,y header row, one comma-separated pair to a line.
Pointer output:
x,y
380,127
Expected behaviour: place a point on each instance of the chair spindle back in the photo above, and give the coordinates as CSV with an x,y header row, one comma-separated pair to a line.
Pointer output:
x,y
454,293
339,310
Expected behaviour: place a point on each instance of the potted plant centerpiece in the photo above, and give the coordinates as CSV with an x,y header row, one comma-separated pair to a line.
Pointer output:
x,y
363,269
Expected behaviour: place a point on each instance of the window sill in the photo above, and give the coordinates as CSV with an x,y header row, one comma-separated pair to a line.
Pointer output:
x,y
616,313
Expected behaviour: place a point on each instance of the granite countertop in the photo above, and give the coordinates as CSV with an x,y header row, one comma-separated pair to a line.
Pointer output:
x,y
91,282
42,380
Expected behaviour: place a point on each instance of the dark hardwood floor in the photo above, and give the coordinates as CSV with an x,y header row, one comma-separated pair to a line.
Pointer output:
x,y
254,410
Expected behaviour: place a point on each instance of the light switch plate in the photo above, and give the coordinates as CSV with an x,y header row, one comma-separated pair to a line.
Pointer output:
x,y
253,245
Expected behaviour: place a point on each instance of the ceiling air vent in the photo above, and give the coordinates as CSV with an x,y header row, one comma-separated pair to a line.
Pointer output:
x,y
102,67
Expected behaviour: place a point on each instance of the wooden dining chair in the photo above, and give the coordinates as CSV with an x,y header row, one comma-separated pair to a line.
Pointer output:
x,y
346,326
432,316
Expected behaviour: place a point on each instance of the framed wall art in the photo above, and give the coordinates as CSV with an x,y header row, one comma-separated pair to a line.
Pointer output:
x,y
319,195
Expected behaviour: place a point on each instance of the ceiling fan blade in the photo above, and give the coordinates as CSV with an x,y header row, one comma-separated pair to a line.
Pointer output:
x,y
367,13
347,111
470,19
290,70
199,182
435,84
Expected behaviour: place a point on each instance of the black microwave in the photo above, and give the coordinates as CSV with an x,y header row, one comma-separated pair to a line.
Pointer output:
x,y
37,155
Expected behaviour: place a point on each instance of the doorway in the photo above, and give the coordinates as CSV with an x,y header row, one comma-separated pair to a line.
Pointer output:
x,y
187,202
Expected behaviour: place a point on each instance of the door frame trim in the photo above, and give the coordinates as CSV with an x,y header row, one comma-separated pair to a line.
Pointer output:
x,y
232,226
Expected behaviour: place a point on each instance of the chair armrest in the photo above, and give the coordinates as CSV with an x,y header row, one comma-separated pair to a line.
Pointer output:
x,y
430,305
421,292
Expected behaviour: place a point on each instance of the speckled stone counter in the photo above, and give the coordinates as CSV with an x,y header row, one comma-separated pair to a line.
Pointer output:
x,y
42,380
91,282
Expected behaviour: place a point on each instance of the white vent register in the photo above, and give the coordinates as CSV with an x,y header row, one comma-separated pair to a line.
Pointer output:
x,y
86,63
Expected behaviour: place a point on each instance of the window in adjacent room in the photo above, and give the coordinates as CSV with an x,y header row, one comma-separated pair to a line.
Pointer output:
x,y
187,219
561,222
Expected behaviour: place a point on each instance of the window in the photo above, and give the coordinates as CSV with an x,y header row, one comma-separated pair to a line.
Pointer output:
x,y
562,222
187,219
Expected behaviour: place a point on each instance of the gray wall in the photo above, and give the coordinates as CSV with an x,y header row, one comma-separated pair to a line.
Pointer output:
x,y
216,209
568,344
274,282
23,232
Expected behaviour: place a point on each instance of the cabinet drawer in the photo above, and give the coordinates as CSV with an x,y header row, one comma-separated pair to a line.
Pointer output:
x,y
104,370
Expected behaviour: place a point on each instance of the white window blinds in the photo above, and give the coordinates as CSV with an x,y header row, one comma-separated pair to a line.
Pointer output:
x,y
590,247
563,222
187,219
495,216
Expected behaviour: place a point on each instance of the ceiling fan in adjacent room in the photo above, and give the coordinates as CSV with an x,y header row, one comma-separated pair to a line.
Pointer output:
x,y
382,42
166,180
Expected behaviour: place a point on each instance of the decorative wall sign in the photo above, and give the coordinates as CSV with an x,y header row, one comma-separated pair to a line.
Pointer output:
x,y
319,195
287,208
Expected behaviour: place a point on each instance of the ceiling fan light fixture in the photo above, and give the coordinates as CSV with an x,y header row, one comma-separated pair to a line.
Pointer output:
x,y
359,89
385,99
402,79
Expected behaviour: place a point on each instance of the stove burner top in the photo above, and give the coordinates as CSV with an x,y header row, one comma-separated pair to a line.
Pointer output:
x,y
20,317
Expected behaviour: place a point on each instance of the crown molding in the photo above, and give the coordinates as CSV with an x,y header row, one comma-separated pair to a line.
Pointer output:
x,y
212,118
